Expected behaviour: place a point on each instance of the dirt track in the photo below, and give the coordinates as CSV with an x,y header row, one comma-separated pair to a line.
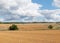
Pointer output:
x,y
42,36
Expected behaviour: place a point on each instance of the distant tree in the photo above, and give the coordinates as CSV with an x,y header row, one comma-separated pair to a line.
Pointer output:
x,y
50,26
13,27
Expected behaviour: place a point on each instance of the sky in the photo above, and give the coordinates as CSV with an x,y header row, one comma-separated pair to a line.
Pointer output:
x,y
30,10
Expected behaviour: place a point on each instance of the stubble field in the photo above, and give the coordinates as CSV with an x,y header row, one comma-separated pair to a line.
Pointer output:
x,y
46,36
33,36
28,27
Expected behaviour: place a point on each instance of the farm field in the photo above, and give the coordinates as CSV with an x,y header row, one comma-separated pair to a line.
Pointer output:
x,y
42,36
30,33
28,27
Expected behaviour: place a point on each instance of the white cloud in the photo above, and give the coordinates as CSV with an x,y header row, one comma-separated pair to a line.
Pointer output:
x,y
25,10
52,15
56,3
1,19
21,7
14,9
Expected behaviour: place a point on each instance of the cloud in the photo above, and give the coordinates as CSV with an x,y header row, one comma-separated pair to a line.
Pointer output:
x,y
56,3
51,15
21,7
15,9
27,11
1,19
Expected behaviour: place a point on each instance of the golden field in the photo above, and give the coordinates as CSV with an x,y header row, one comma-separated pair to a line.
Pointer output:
x,y
29,33
43,36
28,27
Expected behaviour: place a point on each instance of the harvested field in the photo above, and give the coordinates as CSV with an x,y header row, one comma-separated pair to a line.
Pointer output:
x,y
43,36
29,33
28,27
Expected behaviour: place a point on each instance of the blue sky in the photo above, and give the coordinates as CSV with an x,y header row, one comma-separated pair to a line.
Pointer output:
x,y
47,4
30,10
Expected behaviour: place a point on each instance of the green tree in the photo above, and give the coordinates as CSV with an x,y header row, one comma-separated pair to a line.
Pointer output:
x,y
13,27
50,26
